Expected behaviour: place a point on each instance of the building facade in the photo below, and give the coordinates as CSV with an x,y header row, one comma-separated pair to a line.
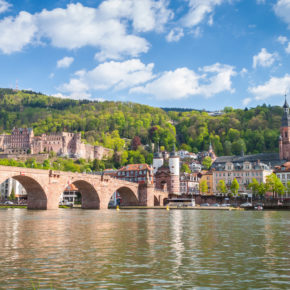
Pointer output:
x,y
11,185
166,171
23,141
140,173
283,173
208,177
242,172
189,183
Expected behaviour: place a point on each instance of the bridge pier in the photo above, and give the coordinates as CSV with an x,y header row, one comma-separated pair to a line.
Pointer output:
x,y
146,194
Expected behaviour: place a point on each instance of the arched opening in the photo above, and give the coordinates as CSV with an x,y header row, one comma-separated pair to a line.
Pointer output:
x,y
123,196
21,189
82,192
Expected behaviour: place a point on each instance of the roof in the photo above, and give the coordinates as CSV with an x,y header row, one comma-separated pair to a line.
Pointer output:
x,y
132,167
285,166
268,158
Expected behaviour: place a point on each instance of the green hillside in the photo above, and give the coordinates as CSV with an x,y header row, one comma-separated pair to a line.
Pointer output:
x,y
112,123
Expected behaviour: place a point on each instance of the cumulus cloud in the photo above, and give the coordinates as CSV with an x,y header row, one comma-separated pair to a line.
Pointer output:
x,y
282,10
264,58
4,6
198,10
247,101
282,39
175,34
106,27
65,62
183,82
16,32
108,75
273,87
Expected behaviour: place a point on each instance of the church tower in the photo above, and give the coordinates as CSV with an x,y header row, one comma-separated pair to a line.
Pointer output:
x,y
284,140
174,172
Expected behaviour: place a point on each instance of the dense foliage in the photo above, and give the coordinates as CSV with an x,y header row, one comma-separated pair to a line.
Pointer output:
x,y
115,124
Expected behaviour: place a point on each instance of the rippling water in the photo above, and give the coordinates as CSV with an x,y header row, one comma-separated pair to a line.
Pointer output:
x,y
144,249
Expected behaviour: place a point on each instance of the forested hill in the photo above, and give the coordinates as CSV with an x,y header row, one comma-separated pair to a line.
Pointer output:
x,y
112,123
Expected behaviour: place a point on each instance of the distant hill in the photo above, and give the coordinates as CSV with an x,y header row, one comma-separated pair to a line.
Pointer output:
x,y
110,123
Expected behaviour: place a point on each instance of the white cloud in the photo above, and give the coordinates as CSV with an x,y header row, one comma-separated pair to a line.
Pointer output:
x,y
243,72
264,58
261,1
273,87
183,82
198,10
65,62
108,75
287,48
175,34
16,32
4,6
282,39
106,27
282,10
247,101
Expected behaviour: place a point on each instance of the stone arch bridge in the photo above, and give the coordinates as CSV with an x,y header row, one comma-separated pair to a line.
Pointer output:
x,y
44,188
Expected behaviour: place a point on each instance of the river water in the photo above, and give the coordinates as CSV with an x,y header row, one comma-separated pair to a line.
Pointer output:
x,y
144,249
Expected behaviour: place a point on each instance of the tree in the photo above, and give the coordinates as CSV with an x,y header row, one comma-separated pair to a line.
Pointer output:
x,y
235,187
185,168
206,162
135,143
203,186
254,186
12,194
275,185
221,187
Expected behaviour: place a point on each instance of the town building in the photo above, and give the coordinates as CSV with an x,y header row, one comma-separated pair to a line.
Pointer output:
x,y
283,173
243,172
206,175
11,185
166,172
70,196
189,183
140,173
23,141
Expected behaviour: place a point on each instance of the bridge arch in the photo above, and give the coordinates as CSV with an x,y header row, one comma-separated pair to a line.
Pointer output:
x,y
36,195
90,197
128,196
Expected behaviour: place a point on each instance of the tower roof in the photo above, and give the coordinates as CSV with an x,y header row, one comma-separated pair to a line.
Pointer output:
x,y
286,103
286,116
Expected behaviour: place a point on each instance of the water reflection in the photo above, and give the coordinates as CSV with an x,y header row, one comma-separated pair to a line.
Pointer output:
x,y
144,249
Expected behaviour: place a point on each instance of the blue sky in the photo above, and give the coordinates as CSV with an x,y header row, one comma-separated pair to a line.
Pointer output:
x,y
168,53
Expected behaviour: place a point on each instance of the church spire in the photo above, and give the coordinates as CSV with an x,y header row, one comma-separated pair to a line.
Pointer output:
x,y
286,106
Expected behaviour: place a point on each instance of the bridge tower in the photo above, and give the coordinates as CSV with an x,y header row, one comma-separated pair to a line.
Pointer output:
x,y
284,140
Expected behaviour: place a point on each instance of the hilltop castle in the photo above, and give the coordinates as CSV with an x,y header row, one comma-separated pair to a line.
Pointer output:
x,y
23,141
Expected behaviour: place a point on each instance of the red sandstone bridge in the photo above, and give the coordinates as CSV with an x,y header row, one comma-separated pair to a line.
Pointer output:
x,y
44,188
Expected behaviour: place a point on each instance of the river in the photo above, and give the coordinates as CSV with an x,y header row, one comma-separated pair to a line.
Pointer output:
x,y
144,249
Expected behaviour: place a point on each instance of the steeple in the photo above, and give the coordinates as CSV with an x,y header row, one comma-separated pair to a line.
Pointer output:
x,y
286,106
286,116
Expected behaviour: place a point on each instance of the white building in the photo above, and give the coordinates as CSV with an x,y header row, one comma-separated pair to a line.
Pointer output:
x,y
10,185
243,172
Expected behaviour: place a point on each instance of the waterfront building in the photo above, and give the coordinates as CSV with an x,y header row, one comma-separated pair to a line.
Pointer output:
x,y
166,172
283,173
23,141
207,175
71,195
140,173
189,183
243,172
11,185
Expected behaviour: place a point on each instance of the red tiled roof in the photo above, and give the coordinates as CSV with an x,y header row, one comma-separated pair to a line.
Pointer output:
x,y
134,167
